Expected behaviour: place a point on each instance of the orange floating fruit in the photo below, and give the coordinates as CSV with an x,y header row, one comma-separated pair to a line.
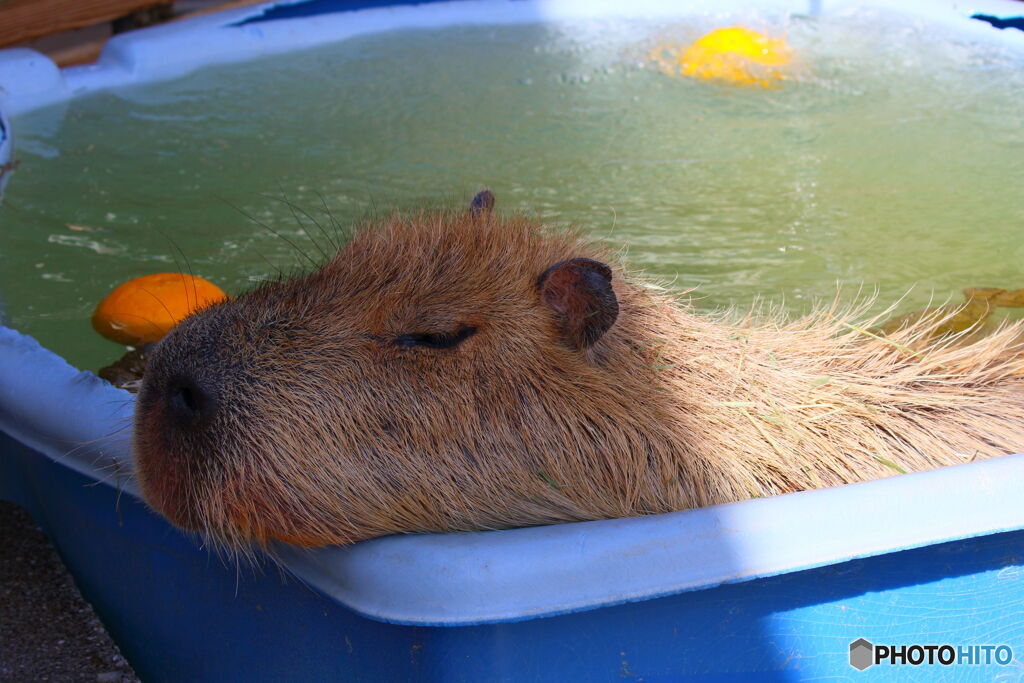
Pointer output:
x,y
734,55
144,309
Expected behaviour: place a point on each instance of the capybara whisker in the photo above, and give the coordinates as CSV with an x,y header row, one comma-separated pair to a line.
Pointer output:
x,y
273,232
294,210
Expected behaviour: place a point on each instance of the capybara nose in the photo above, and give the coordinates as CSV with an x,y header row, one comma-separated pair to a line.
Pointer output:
x,y
189,403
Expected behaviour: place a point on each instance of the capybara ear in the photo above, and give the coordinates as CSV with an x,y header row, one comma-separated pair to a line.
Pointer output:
x,y
580,293
482,204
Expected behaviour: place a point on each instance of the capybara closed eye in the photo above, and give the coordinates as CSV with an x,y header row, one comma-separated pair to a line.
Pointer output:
x,y
466,370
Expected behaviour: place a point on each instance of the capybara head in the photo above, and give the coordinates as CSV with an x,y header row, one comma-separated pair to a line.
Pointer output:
x,y
459,370
443,371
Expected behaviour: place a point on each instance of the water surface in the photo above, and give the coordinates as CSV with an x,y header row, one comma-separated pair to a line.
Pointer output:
x,y
893,160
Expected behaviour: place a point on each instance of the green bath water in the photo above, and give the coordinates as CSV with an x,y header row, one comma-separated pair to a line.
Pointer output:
x,y
893,162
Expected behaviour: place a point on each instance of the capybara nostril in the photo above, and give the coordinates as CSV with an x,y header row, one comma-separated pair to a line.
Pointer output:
x,y
189,403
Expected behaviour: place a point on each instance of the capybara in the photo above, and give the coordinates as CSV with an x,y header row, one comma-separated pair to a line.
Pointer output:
x,y
463,370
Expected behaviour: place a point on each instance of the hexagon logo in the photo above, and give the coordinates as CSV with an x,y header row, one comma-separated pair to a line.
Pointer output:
x,y
862,654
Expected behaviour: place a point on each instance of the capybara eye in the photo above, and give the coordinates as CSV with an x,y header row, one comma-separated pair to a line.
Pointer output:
x,y
435,341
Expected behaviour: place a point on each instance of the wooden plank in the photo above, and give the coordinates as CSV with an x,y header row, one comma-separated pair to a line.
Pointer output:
x,y
22,20
79,53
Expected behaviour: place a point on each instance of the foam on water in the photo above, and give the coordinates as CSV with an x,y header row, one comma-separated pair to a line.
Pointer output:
x,y
892,160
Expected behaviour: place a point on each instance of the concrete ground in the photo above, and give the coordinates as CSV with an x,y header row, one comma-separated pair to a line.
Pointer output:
x,y
47,631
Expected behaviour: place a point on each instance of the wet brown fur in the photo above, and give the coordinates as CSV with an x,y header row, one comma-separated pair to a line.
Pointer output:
x,y
328,431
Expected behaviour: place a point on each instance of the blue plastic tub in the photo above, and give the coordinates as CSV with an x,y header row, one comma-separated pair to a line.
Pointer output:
x,y
6,151
776,587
